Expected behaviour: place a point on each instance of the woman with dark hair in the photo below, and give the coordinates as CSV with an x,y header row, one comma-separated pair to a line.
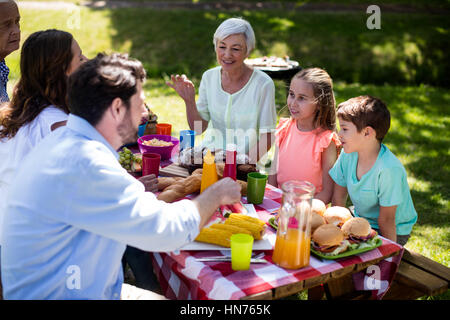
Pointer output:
x,y
39,102
47,59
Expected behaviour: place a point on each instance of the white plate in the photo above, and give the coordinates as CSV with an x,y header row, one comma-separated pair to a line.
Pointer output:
x,y
266,243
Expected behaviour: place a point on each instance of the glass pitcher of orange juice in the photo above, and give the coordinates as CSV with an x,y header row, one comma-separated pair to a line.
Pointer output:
x,y
292,246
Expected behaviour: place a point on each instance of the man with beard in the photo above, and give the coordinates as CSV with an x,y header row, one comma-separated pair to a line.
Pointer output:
x,y
74,209
9,40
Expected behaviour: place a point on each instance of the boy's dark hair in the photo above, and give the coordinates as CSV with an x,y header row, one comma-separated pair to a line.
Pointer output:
x,y
96,83
366,111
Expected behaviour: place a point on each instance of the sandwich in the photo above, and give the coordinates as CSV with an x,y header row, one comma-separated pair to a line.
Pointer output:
x,y
358,230
337,215
328,239
316,221
318,206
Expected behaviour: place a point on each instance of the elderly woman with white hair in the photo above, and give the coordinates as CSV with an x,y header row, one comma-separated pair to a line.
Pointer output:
x,y
236,102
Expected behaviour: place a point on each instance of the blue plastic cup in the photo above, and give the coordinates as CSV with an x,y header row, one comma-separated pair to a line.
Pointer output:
x,y
142,129
187,139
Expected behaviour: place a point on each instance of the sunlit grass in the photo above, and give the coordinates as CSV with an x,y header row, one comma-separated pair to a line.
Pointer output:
x,y
167,105
408,49
418,3
94,32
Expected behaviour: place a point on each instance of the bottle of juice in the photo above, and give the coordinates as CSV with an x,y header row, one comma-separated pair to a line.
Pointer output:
x,y
230,162
209,175
292,246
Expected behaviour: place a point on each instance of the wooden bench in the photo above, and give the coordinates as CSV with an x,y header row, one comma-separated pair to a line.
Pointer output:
x,y
418,276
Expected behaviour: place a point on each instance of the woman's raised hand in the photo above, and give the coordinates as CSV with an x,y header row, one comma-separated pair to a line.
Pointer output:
x,y
186,90
183,86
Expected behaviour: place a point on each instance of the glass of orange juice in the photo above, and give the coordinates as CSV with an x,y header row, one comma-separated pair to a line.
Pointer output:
x,y
292,246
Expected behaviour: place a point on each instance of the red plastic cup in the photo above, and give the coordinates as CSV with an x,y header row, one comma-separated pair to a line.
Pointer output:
x,y
150,163
164,128
230,162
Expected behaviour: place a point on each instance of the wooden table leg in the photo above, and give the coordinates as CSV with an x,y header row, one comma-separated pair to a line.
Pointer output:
x,y
316,293
343,289
339,287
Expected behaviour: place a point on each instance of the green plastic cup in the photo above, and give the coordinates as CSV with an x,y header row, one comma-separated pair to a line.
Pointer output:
x,y
256,185
241,251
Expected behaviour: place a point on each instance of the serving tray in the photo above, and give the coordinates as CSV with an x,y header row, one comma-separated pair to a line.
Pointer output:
x,y
378,242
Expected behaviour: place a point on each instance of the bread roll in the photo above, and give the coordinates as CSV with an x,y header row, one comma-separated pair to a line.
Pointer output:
x,y
243,187
197,171
181,188
169,196
164,182
192,184
219,168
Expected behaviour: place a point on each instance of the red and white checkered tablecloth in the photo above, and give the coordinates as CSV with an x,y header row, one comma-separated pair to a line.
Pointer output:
x,y
181,276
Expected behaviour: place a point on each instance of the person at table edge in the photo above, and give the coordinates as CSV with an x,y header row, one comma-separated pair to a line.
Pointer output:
x,y
73,208
9,41
235,100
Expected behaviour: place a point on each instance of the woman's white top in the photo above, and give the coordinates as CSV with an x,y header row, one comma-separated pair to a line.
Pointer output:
x,y
12,151
240,117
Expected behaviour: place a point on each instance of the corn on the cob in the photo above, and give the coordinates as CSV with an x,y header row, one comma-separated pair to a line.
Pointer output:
x,y
254,228
229,227
215,236
247,218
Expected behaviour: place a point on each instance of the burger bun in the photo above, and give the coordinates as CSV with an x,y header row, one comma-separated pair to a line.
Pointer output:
x,y
316,221
337,215
318,206
328,235
358,227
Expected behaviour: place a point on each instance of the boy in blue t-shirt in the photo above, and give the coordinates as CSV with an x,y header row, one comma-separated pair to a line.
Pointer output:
x,y
369,172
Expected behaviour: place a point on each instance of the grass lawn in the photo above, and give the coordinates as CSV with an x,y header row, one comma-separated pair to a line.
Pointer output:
x,y
409,49
417,3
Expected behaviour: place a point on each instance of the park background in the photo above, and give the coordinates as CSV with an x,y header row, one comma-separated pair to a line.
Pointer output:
x,y
405,63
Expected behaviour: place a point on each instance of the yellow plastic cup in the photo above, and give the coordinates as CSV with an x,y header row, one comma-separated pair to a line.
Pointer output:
x,y
241,251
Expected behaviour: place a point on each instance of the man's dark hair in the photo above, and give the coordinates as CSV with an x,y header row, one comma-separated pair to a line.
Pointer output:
x,y
366,111
96,83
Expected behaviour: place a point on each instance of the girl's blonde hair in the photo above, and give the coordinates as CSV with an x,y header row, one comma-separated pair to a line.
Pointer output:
x,y
322,85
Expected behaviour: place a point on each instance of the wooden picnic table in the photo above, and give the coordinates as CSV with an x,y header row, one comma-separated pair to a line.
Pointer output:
x,y
181,276
409,275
